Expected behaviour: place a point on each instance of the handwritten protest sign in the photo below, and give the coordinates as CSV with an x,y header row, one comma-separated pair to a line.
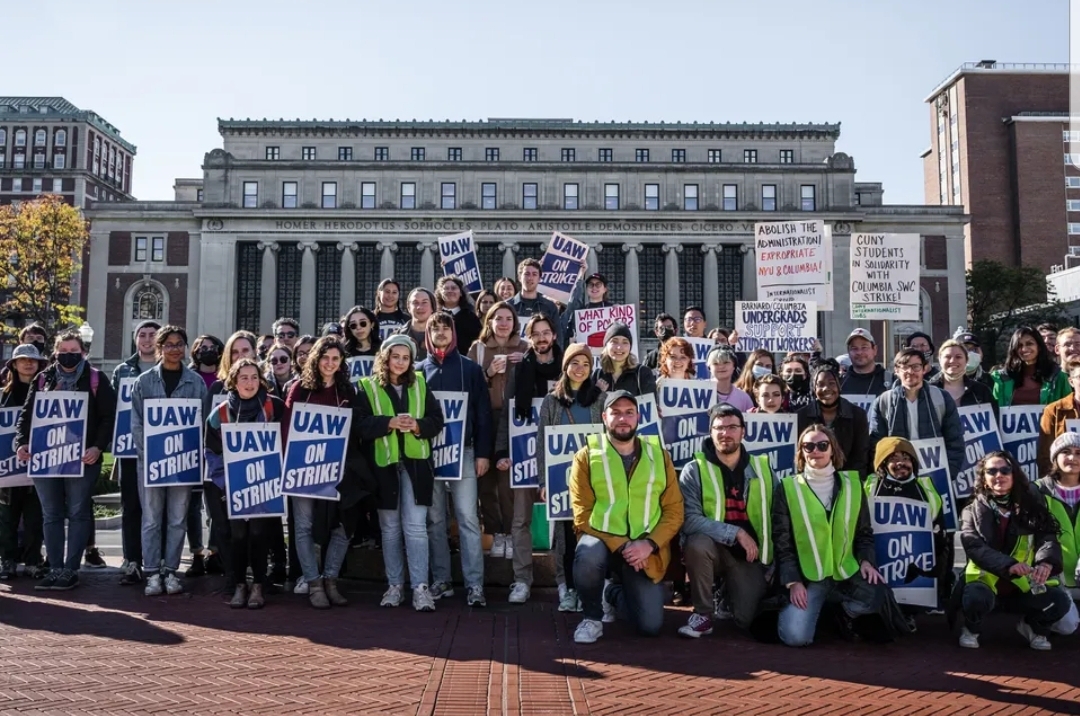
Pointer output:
x,y
980,437
561,266
904,545
684,421
359,367
590,324
252,456
172,442
885,277
934,463
57,434
795,262
702,347
458,254
777,327
648,415
772,435
448,447
561,442
315,453
523,438
13,471
1020,435
123,443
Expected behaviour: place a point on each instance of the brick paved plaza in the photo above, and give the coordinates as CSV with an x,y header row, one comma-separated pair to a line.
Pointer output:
x,y
105,649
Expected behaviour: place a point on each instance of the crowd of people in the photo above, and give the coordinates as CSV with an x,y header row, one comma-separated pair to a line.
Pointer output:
x,y
731,538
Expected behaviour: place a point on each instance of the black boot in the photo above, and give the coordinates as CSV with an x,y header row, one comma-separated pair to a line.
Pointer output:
x,y
197,568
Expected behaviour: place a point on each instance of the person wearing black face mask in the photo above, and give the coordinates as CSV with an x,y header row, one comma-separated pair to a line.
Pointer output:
x,y
796,373
664,328
206,351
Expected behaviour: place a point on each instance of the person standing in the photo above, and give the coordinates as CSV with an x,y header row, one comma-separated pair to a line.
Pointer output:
x,y
721,362
421,305
590,292
664,328
451,296
388,311
848,421
362,332
1055,418
619,368
694,322
865,376
1030,375
529,302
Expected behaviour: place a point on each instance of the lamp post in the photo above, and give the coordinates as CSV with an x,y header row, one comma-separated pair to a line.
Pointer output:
x,y
86,332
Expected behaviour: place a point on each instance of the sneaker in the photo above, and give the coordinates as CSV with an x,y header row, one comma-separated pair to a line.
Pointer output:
x,y
67,579
1038,642
508,547
441,589
301,586
588,631
498,546
422,600
197,568
569,601
608,607
392,596
153,586
36,571
132,574
47,582
562,591
172,584
519,593
968,640
93,559
475,596
8,569
699,625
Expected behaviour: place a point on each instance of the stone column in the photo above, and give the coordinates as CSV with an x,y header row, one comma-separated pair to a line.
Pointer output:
x,y
956,262
427,264
632,278
348,276
749,271
268,290
307,287
386,263
671,278
711,286
592,262
509,264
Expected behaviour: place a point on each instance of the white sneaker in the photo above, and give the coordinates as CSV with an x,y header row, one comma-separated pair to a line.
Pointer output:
x,y
562,591
301,586
498,546
153,586
392,596
588,631
422,600
172,584
519,593
570,602
968,640
609,608
508,547
1037,642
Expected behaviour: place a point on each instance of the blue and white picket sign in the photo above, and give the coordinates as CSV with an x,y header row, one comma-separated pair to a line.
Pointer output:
x,y
561,443
934,463
684,419
58,434
315,453
862,400
523,437
458,256
448,447
562,266
172,442
13,471
252,455
1072,425
702,348
1020,435
359,367
648,415
980,437
904,546
772,435
123,443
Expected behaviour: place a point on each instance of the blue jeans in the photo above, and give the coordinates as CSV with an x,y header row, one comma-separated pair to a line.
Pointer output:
x,y
304,515
468,519
637,598
172,503
856,596
67,498
409,519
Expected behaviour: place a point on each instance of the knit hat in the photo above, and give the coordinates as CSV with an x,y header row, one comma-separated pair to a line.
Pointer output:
x,y
148,323
618,329
887,446
399,339
572,351
1065,440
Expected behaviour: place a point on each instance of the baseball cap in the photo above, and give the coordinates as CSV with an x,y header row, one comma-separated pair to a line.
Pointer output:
x,y
861,333
597,276
967,338
617,395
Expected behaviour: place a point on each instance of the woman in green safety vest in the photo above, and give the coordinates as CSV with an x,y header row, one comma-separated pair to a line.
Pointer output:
x,y
398,417
1011,542
1061,487
823,539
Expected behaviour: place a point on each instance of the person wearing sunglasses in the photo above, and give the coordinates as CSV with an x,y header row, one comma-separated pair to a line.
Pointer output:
x,y
1014,557
286,331
361,335
824,541
279,369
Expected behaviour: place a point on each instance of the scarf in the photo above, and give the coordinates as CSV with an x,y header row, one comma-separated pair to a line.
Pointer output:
x,y
532,380
584,396
248,410
68,381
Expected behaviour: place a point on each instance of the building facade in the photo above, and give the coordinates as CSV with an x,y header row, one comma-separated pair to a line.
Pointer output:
x,y
303,218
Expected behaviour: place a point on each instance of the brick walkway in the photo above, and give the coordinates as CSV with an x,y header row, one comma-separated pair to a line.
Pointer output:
x,y
105,649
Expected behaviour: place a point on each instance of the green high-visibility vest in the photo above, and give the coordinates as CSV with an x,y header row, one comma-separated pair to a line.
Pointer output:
x,y
824,541
626,507
386,447
758,498
1023,552
1069,539
930,493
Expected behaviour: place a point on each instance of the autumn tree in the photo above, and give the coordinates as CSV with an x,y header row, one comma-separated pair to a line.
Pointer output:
x,y
43,241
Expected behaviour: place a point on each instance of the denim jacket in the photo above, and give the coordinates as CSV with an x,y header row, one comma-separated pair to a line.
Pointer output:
x,y
151,385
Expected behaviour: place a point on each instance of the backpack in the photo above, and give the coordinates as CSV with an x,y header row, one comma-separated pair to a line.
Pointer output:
x,y
223,411
95,380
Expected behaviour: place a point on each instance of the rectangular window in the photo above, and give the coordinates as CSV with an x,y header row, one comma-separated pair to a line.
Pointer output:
x,y
858,199
37,185
417,154
329,195
1074,229
58,160
491,154
570,196
807,196
199,195
568,155
529,196
288,195
39,160
731,198
273,153
787,156
3,160
652,197
39,138
604,155
487,195
749,156
251,194
1072,182
408,195
714,156
140,248
611,197
20,140
641,155
60,138
690,202
344,154
678,155
367,195
528,154
768,197
449,195
453,154
20,161
307,154
157,250
1072,205
382,154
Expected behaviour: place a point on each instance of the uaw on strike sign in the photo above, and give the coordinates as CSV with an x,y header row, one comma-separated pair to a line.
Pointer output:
x,y
57,434
172,441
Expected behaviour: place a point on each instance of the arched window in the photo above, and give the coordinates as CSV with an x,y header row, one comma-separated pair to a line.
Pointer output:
x,y
147,303
39,138
20,137
60,139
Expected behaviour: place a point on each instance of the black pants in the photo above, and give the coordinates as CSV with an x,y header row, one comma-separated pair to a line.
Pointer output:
x,y
569,545
1040,610
250,540
220,527
21,504
131,509
294,572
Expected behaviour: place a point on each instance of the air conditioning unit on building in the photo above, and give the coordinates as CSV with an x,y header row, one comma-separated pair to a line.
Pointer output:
x,y
1074,251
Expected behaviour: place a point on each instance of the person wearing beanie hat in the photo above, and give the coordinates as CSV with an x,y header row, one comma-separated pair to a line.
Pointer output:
x,y
619,368
589,292
1061,487
397,417
1056,417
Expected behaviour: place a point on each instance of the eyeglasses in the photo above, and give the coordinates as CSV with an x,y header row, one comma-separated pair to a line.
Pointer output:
x,y
909,368
173,346
279,360
359,324
694,319
820,446
995,471
727,428
544,334
286,334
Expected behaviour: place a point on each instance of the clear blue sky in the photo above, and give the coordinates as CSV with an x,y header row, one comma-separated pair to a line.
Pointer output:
x,y
163,72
